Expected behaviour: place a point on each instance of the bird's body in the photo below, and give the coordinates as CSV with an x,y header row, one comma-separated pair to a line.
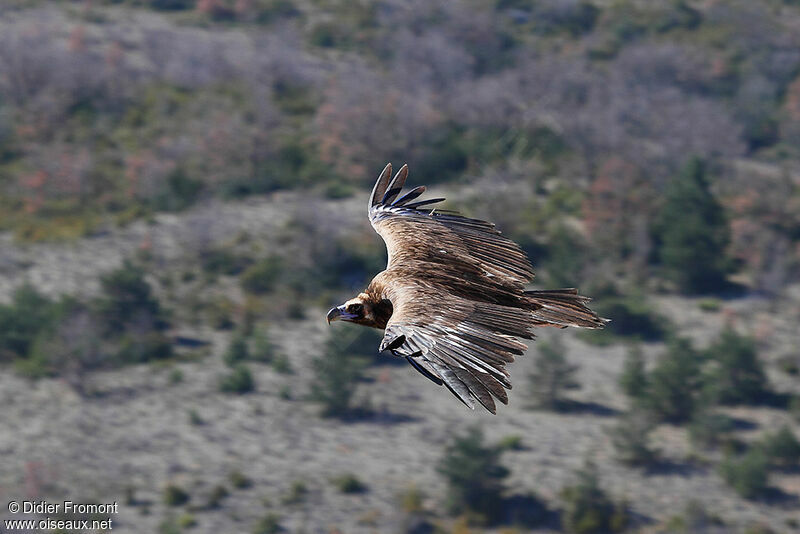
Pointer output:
x,y
452,299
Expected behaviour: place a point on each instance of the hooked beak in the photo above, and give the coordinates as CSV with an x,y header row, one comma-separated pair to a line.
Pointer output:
x,y
339,314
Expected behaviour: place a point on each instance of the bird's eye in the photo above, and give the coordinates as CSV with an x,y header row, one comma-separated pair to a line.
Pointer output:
x,y
355,308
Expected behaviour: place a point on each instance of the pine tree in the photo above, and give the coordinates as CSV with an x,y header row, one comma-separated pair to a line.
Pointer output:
x,y
553,374
738,376
675,383
633,379
691,232
336,376
474,475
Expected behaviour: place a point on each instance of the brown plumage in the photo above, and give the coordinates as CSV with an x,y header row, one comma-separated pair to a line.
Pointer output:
x,y
452,299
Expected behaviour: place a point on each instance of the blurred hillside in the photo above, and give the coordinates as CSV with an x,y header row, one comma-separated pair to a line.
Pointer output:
x,y
182,191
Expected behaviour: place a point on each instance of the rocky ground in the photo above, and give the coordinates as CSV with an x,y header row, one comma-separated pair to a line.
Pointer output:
x,y
145,429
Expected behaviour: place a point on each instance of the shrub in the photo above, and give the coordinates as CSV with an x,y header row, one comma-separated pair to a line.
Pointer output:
x,y
239,480
281,364
574,18
691,232
710,304
141,347
187,521
631,440
239,380
552,375
178,192
219,313
127,298
297,493
261,277
411,499
633,379
631,317
710,429
336,376
237,351
263,349
29,313
171,5
269,524
565,258
748,474
223,261
781,448
175,496
349,483
675,383
194,418
474,475
737,375
587,508
695,518
216,496
512,442
69,348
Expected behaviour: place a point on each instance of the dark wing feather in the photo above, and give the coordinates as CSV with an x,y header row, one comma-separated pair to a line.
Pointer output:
x,y
457,345
380,186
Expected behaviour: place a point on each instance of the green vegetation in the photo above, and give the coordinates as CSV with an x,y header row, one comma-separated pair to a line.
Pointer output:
x,y
127,299
552,375
781,448
297,493
269,524
239,480
631,440
261,277
29,313
349,483
239,380
631,317
237,352
217,495
692,233
336,376
587,508
709,429
633,380
747,474
736,375
474,475
70,337
674,383
175,496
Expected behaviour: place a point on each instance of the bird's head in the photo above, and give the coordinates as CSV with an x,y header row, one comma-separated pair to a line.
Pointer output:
x,y
361,310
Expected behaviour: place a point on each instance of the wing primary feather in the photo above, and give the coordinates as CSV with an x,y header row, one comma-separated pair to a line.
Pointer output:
x,y
456,386
390,194
476,388
396,185
380,185
416,205
411,195
425,372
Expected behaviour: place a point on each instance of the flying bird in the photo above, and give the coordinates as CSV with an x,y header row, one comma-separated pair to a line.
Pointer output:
x,y
452,300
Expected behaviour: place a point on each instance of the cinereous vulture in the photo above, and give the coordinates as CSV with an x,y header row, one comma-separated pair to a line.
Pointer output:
x,y
452,300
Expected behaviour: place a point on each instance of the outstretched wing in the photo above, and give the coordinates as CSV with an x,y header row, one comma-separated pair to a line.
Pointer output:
x,y
454,284
457,291
469,255
462,344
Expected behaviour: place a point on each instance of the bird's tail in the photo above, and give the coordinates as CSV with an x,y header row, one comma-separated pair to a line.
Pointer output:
x,y
562,308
